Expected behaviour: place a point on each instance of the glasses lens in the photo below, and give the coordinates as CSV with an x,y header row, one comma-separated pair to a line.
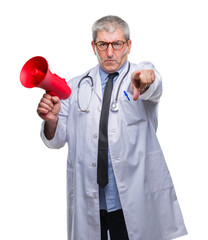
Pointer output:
x,y
118,45
102,46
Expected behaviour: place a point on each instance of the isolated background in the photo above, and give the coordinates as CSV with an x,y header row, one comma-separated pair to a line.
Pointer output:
x,y
171,34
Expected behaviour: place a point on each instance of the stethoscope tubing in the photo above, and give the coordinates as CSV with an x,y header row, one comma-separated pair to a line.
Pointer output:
x,y
92,86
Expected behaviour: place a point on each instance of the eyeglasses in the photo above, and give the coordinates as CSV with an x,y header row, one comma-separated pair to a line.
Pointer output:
x,y
117,46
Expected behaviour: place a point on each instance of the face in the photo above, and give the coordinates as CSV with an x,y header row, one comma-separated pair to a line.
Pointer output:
x,y
111,60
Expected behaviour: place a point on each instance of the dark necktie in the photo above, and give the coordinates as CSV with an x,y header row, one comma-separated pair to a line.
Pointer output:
x,y
102,164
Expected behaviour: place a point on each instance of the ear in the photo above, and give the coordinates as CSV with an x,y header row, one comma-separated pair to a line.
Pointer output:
x,y
129,46
93,47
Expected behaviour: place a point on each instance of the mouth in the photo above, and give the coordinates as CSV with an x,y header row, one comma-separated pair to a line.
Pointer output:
x,y
110,61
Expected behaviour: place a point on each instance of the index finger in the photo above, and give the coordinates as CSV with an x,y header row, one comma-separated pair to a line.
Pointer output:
x,y
136,74
136,93
47,96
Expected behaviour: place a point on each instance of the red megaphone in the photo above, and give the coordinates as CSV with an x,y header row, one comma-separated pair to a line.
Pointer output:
x,y
35,73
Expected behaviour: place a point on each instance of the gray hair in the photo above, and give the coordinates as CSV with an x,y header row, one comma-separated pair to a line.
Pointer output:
x,y
110,24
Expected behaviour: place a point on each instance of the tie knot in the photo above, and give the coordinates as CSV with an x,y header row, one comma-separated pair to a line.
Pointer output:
x,y
112,75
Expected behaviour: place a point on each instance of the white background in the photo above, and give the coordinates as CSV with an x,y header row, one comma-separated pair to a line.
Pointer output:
x,y
171,34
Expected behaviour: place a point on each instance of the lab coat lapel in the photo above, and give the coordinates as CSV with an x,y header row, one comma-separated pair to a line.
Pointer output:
x,y
97,82
119,81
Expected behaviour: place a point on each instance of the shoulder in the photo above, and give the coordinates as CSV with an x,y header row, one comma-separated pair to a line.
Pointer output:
x,y
73,82
143,65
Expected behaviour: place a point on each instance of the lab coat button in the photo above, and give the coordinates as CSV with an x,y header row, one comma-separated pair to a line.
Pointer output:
x,y
112,130
94,195
94,165
95,136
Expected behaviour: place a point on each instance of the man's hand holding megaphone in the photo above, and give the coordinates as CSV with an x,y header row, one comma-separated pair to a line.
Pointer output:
x,y
49,107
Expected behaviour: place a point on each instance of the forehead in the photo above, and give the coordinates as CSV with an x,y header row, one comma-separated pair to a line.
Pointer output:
x,y
105,36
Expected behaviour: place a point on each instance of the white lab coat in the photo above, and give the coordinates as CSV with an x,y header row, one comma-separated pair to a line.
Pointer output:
x,y
146,190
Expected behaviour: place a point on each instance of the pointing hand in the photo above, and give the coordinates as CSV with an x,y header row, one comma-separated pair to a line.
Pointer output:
x,y
141,80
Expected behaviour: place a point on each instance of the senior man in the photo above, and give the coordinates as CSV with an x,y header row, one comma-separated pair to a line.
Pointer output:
x,y
117,177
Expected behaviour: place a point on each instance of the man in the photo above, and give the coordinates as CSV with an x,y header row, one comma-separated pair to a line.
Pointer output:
x,y
117,178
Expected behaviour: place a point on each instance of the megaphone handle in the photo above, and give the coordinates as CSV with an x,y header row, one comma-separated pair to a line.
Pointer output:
x,y
52,93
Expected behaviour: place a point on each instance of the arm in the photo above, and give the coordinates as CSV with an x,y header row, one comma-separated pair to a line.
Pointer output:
x,y
48,109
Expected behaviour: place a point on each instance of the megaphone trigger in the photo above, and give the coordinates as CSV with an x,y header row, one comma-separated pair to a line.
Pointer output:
x,y
51,93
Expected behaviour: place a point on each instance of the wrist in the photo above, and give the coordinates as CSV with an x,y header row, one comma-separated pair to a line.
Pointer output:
x,y
143,90
52,121
50,128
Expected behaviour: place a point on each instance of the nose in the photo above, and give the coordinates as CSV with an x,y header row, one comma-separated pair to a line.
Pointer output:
x,y
110,51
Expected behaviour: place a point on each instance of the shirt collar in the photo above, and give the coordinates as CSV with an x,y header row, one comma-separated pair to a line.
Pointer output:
x,y
104,75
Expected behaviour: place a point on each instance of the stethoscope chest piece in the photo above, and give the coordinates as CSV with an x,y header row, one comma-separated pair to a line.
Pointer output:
x,y
114,106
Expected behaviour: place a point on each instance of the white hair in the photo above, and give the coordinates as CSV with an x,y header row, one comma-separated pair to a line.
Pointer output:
x,y
110,24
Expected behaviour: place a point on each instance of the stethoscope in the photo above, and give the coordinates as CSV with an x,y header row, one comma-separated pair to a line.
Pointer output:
x,y
114,105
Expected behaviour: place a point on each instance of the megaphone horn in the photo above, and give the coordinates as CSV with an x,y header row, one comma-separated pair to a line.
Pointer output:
x,y
35,73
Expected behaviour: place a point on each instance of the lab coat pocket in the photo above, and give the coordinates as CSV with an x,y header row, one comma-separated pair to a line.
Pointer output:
x,y
70,188
157,174
133,111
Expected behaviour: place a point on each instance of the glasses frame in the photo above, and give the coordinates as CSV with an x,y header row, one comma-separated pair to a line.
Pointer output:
x,y
108,43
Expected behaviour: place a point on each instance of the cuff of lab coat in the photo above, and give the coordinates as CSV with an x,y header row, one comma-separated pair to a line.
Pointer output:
x,y
146,95
57,141
45,140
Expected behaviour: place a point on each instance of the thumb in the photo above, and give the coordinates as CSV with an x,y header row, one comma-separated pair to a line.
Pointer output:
x,y
55,99
56,105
